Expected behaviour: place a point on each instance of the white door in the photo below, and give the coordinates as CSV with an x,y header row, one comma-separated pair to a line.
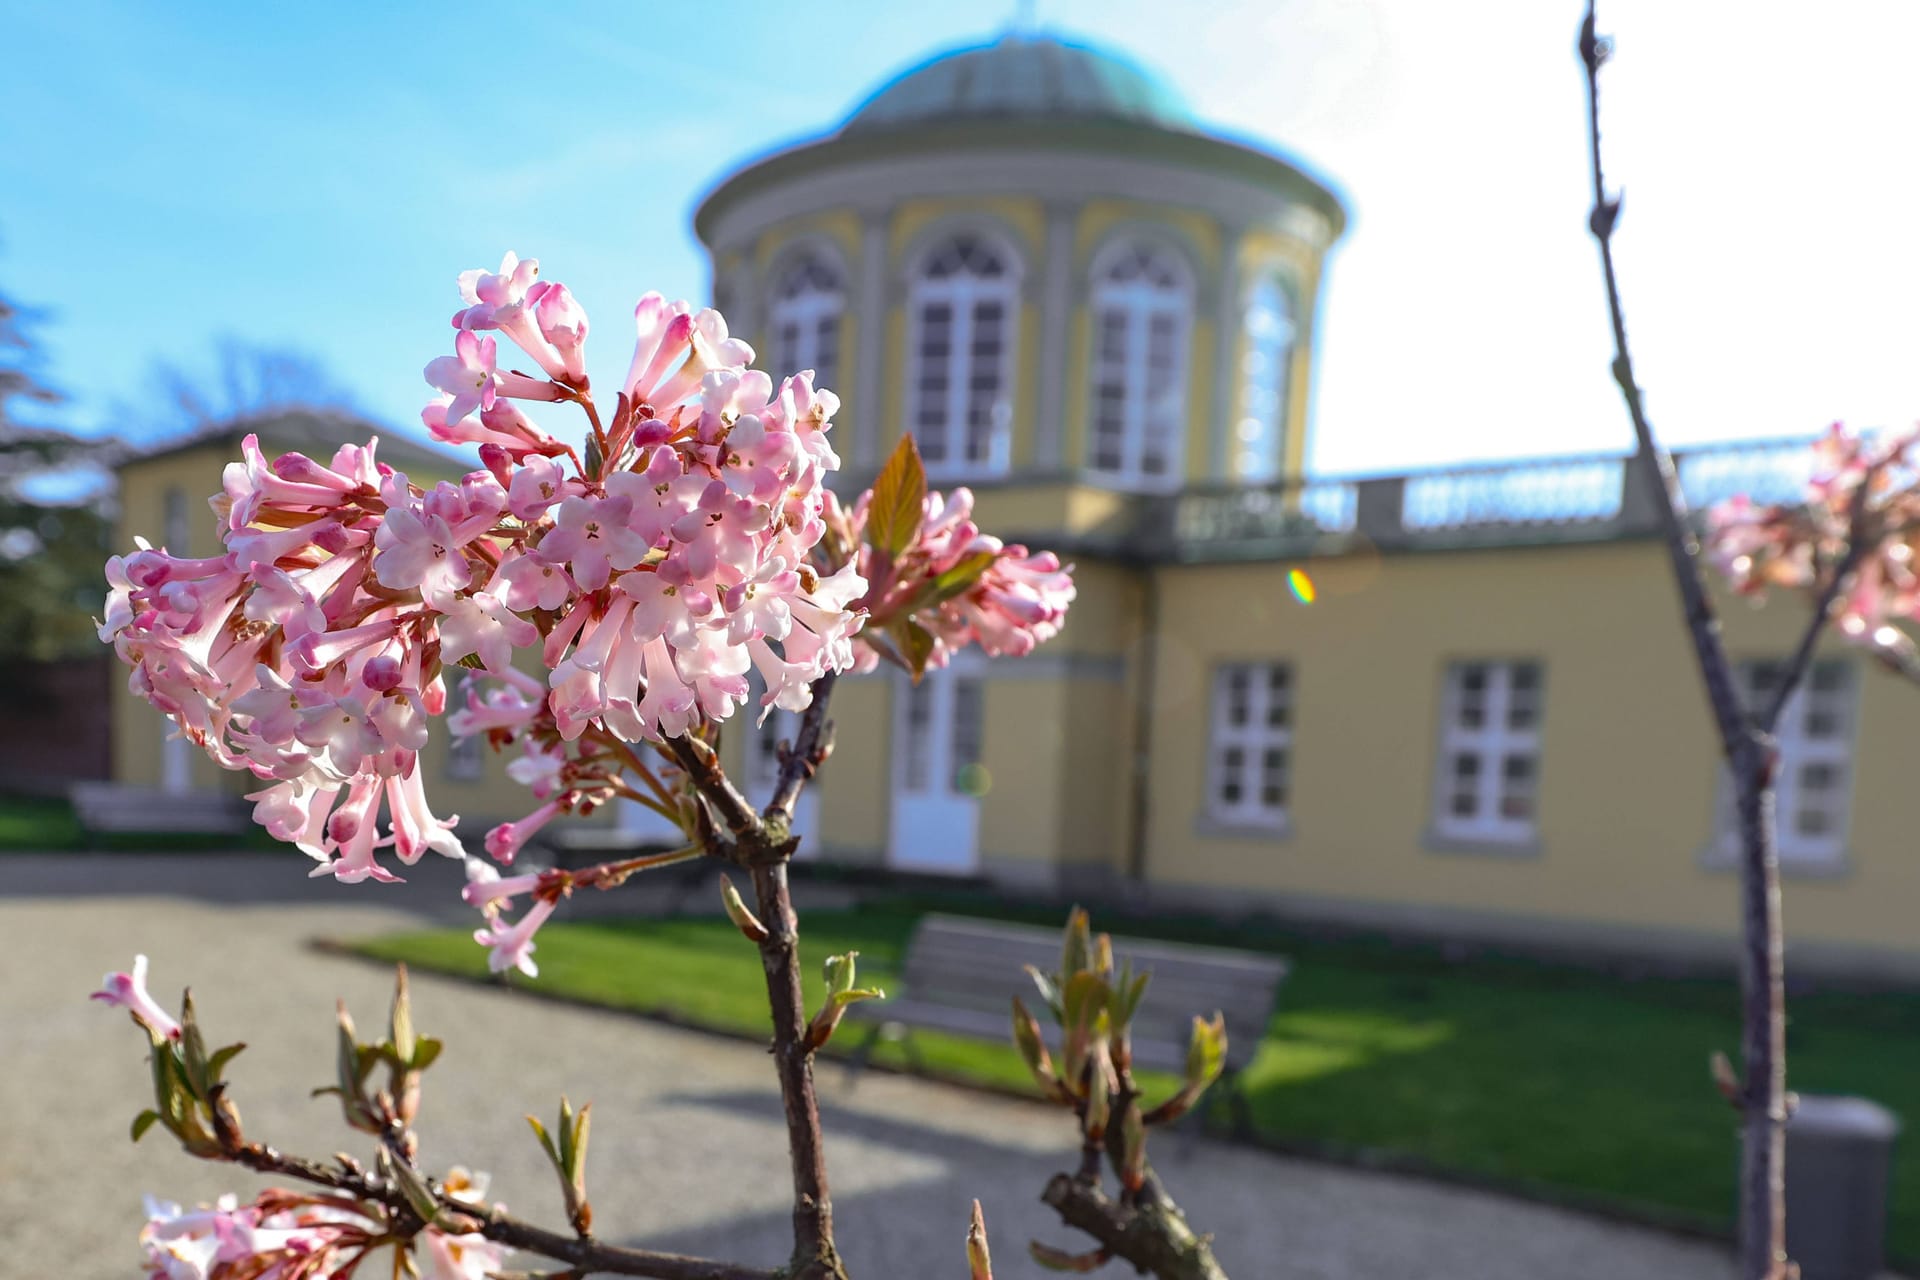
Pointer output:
x,y
937,773
763,775
176,761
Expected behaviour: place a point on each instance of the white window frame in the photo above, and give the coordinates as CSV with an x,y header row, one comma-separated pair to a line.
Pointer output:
x,y
962,295
1798,749
1249,429
1491,743
1144,419
807,309
1253,738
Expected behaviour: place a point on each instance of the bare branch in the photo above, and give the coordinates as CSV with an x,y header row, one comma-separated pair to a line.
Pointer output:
x,y
1683,548
586,1255
1749,757
1154,1238
1858,542
807,752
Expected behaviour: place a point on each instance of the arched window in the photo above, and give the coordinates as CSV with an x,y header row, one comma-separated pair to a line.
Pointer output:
x,y
1142,313
807,300
963,301
1265,369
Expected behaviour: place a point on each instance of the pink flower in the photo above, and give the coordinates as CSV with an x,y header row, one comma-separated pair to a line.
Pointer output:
x,y
129,991
510,946
505,841
482,624
467,375
591,535
527,583
564,325
538,485
485,886
419,550
538,770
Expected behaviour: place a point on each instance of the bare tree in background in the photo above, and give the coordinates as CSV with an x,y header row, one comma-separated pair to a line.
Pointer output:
x,y
245,380
54,501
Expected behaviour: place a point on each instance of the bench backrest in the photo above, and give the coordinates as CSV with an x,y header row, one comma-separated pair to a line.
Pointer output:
x,y
977,964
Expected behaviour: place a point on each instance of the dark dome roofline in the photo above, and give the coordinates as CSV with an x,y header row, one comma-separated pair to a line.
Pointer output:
x,y
1208,152
1026,74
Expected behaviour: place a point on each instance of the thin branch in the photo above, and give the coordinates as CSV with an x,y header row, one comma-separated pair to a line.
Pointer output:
x,y
585,1255
764,845
1750,759
1153,1238
1796,667
814,1253
1683,548
807,752
703,770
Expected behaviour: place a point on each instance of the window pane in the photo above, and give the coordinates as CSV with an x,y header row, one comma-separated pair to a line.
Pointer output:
x,y
826,352
1265,364
919,724
968,707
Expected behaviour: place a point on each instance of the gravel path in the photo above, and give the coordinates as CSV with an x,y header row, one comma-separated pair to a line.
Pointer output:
x,y
688,1148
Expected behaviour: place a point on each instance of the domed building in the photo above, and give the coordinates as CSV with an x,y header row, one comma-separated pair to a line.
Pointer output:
x,y
1454,703
1031,256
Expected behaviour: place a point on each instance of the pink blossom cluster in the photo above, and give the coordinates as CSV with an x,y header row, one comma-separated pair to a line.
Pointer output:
x,y
1012,599
284,1235
1862,490
651,578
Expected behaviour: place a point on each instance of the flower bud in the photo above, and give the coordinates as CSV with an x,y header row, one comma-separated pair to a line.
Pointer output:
x,y
743,919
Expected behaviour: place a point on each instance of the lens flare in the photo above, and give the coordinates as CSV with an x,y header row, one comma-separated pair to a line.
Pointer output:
x,y
1301,585
972,780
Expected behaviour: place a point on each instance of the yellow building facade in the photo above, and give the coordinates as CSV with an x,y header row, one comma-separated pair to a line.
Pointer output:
x,y
1453,704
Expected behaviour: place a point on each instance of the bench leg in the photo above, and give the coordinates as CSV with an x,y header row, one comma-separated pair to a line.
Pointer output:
x,y
1229,1090
857,1060
914,1057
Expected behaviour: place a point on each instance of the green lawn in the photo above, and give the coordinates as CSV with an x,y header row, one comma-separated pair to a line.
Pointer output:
x,y
1551,1079
44,824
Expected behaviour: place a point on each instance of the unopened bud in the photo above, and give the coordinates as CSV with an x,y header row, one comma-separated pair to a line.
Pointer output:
x,y
1133,1147
1033,1049
1725,1078
977,1256
743,919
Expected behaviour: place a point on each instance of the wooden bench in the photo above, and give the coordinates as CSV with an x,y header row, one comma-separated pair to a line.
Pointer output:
x,y
103,807
960,975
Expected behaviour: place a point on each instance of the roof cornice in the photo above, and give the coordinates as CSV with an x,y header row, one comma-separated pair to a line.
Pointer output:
x,y
1206,152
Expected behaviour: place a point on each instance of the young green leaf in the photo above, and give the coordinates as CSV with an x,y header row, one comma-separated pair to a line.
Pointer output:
x,y
899,496
1060,1260
915,644
960,578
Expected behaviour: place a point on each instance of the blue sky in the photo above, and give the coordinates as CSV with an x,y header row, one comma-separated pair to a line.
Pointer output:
x,y
315,176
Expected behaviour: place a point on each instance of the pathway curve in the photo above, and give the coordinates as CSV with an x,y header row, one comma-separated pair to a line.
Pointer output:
x,y
688,1147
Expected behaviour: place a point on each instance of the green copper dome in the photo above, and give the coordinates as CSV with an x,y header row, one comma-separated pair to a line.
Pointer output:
x,y
1022,76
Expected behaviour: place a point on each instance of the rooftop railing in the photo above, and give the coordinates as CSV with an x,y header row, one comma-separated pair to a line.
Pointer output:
x,y
1592,497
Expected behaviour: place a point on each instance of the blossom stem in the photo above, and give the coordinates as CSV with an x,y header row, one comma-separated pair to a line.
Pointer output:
x,y
583,1254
